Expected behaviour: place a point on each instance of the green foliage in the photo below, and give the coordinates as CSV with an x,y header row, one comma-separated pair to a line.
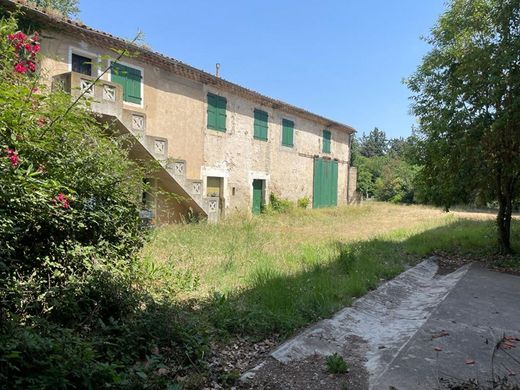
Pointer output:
x,y
278,205
374,144
66,8
396,182
304,202
467,96
388,174
336,364
78,310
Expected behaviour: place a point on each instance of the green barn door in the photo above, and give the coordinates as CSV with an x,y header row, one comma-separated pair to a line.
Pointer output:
x,y
258,187
325,185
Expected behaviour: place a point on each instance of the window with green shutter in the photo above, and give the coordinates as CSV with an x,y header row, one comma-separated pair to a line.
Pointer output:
x,y
260,125
287,133
216,112
326,141
130,79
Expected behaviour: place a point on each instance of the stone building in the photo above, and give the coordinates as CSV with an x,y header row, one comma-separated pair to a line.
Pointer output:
x,y
222,147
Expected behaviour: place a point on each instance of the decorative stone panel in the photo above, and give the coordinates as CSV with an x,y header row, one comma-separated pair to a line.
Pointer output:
x,y
86,87
138,122
179,168
159,146
109,93
213,205
196,188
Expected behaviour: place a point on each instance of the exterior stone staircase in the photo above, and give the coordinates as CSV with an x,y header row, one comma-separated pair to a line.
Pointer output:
x,y
106,102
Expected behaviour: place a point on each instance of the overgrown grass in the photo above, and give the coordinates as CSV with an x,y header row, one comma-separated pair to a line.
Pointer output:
x,y
276,273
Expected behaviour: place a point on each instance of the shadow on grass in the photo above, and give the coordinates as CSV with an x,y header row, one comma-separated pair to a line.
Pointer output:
x,y
281,304
151,344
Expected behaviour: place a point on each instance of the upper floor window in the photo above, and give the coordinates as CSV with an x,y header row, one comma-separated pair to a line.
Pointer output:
x,y
326,141
131,81
216,112
260,125
287,133
81,64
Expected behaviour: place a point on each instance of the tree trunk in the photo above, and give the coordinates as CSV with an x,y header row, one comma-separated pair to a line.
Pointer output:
x,y
505,209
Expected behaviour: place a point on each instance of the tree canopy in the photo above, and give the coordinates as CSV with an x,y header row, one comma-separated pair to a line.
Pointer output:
x,y
466,96
373,144
65,7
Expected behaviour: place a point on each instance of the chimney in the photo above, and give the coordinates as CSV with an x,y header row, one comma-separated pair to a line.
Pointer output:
x,y
217,71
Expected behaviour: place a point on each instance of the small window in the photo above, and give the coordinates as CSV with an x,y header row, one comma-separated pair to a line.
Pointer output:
x,y
260,125
217,112
326,141
81,64
287,133
130,79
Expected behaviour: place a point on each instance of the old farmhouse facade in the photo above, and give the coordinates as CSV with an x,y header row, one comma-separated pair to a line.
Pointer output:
x,y
221,147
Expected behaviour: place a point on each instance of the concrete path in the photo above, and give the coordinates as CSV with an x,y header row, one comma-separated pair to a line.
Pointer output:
x,y
421,327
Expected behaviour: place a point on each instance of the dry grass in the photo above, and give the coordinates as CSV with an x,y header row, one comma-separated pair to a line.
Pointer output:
x,y
278,272
224,256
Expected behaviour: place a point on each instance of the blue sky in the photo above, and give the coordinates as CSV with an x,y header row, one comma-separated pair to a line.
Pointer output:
x,y
343,59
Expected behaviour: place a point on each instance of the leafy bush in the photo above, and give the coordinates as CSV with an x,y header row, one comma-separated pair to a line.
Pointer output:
x,y
278,205
304,202
74,313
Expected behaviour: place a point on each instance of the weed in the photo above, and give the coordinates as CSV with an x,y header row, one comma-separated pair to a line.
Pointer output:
x,y
303,202
336,364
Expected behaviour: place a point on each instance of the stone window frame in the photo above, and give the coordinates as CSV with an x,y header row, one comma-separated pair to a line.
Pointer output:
x,y
95,57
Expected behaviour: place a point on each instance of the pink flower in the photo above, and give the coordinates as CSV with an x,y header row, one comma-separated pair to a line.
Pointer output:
x,y
20,68
20,36
13,157
63,199
25,51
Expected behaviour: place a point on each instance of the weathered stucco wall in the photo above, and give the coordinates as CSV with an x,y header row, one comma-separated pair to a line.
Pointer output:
x,y
239,158
172,105
176,109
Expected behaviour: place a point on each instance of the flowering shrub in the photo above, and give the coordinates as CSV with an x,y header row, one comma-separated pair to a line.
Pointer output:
x,y
25,49
71,312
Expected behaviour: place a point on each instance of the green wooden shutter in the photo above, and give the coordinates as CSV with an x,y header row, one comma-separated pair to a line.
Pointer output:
x,y
216,112
130,79
260,125
212,111
287,133
221,113
326,141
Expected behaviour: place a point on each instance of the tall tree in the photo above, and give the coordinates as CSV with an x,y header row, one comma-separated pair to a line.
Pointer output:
x,y
373,144
466,95
67,8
